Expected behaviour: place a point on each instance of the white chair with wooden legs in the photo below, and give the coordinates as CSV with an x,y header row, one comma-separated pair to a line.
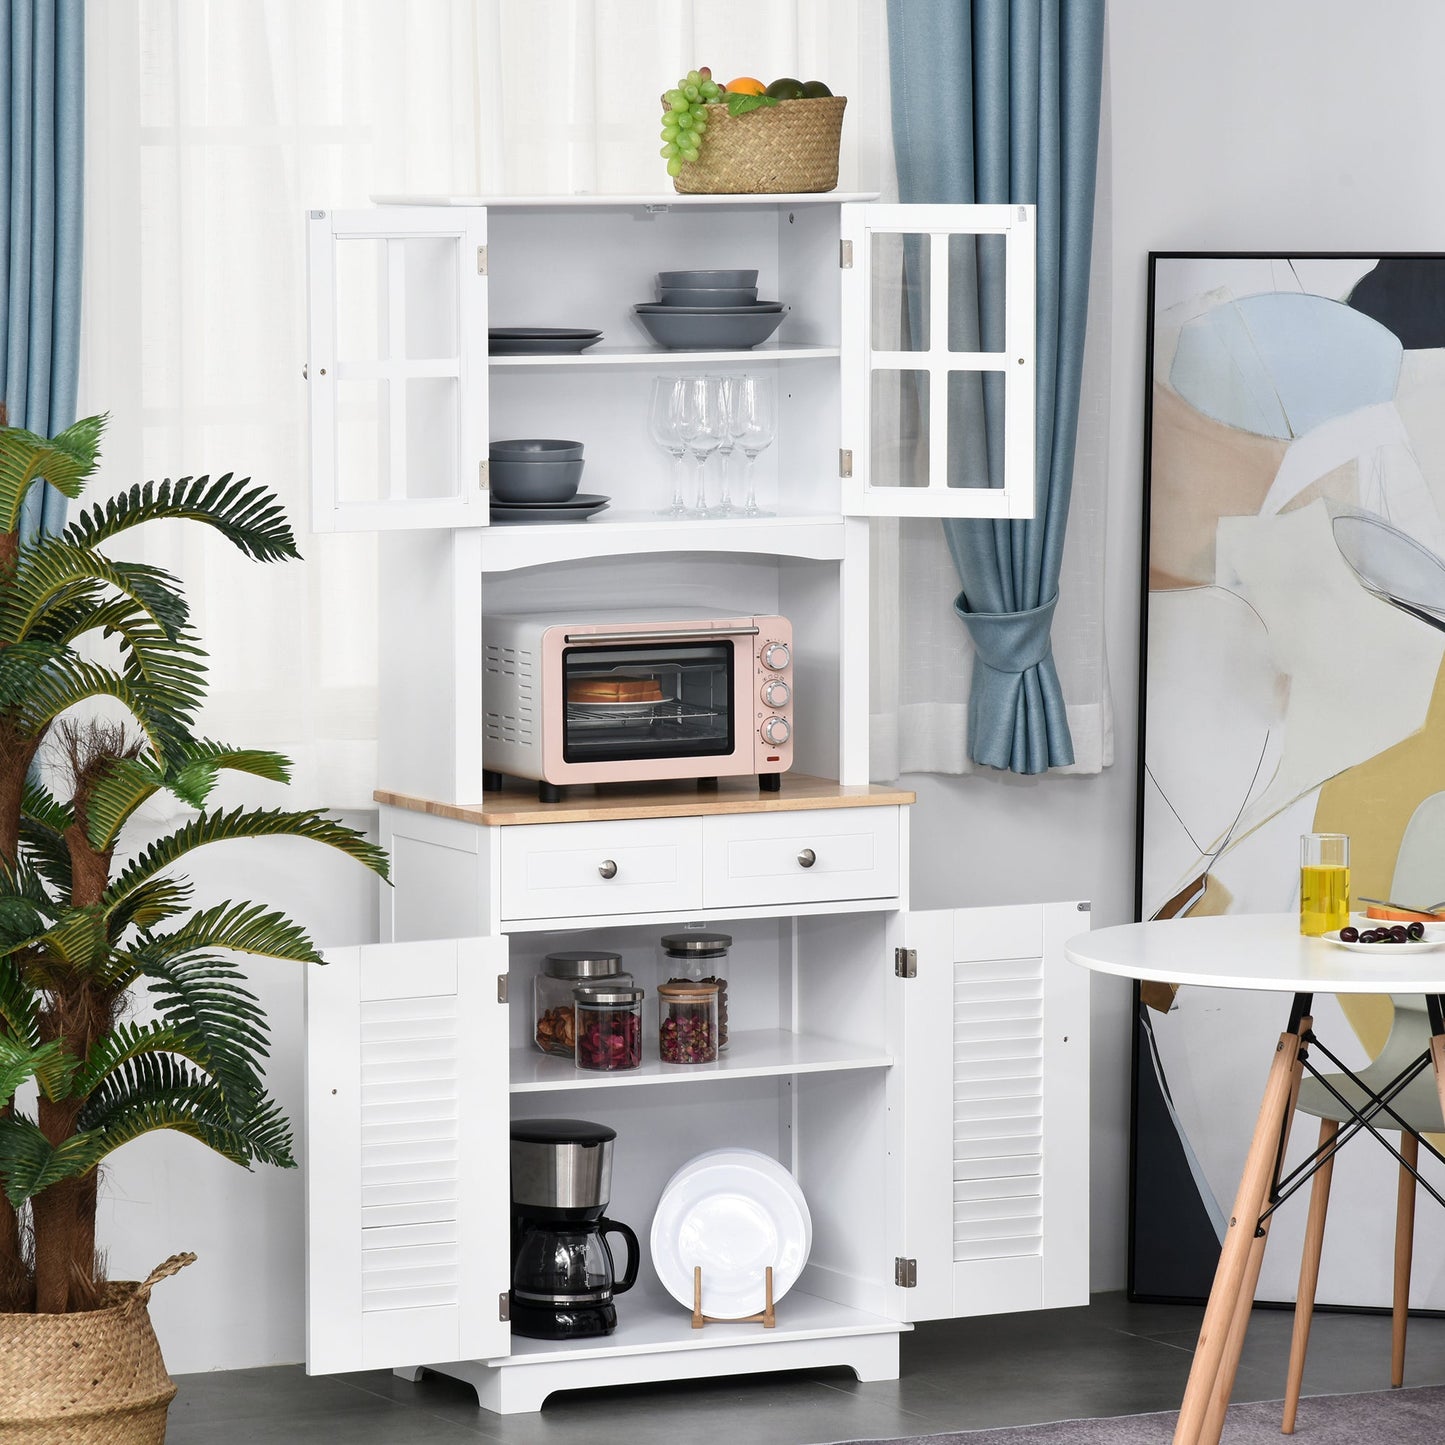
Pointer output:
x,y
1419,1106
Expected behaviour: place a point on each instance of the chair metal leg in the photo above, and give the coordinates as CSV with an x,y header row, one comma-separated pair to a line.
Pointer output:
x,y
1404,1254
1309,1276
1217,1335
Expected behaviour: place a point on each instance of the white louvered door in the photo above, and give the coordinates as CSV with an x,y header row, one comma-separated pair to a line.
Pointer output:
x,y
994,1112
407,1247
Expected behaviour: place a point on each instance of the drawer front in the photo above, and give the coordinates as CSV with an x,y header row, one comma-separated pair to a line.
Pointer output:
x,y
565,870
806,857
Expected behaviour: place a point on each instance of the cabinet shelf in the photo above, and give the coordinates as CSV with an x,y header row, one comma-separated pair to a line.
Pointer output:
x,y
648,1322
511,546
657,357
752,1054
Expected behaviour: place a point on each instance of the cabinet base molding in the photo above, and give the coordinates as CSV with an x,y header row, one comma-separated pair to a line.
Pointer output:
x,y
810,1334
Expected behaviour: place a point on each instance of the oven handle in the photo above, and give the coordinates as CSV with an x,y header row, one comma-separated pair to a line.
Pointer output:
x,y
660,635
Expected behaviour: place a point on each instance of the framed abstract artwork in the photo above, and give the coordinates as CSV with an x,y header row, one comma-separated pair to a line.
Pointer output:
x,y
1293,630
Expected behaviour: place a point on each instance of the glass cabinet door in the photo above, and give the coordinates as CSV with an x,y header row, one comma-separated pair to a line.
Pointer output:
x,y
938,360
396,368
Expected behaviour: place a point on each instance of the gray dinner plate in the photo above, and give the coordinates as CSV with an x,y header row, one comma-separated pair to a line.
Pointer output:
x,y
579,502
754,308
538,340
543,515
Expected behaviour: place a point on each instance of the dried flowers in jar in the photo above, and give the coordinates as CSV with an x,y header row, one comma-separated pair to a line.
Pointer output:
x,y
687,1023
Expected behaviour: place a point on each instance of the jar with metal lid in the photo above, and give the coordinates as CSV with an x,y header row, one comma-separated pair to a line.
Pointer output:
x,y
700,957
552,994
609,1025
687,1023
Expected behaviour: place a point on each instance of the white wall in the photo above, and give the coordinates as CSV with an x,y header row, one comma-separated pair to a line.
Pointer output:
x,y
1293,125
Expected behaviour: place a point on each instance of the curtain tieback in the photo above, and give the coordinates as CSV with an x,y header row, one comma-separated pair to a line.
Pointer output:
x,y
1010,641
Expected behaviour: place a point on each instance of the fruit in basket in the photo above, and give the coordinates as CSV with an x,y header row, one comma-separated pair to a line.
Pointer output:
x,y
745,85
785,89
684,117
815,90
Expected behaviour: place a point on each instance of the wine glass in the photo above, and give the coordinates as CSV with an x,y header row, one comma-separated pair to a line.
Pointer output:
x,y
726,385
665,427
702,429
752,423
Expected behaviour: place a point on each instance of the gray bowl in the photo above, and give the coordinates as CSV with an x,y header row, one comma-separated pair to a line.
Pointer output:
x,y
535,481
537,449
707,295
707,278
680,330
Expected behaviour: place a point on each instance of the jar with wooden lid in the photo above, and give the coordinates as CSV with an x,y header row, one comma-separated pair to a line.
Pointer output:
x,y
697,956
609,1024
687,1023
552,991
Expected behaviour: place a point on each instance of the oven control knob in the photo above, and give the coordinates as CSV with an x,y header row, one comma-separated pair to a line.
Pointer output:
x,y
776,693
776,730
776,655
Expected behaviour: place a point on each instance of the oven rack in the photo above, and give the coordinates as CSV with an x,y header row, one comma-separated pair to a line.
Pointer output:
x,y
632,714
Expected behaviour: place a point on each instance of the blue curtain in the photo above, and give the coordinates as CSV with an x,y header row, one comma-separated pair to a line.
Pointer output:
x,y
42,61
997,101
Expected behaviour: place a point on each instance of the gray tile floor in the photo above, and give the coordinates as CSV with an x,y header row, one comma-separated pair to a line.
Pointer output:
x,y
1111,1358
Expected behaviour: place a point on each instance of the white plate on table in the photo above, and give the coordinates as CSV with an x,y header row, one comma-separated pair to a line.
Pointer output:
x,y
734,1212
1434,937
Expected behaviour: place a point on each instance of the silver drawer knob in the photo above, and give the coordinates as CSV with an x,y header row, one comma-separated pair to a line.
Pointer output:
x,y
807,858
607,869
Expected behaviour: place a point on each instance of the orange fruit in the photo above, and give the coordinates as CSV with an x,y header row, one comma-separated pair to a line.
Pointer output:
x,y
745,85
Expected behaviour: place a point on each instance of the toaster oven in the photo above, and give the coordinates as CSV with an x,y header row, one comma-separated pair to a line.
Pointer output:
x,y
633,696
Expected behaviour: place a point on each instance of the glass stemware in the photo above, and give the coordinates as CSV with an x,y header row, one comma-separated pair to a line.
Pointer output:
x,y
664,425
726,385
702,428
752,423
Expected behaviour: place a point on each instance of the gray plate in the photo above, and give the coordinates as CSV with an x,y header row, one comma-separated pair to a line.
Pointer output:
x,y
535,340
674,328
543,515
580,503
753,308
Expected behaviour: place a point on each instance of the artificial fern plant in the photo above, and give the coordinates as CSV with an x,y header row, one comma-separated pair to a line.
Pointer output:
x,y
100,678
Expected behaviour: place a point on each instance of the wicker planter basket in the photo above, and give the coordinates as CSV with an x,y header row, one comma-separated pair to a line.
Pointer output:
x,y
791,146
93,1378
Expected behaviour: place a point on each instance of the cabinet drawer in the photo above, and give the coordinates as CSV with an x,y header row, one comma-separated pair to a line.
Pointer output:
x,y
806,857
565,870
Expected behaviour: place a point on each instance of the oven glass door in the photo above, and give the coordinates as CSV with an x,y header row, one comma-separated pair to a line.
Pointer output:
x,y
654,700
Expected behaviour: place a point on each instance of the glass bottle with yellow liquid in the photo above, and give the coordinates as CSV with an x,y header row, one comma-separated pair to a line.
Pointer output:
x,y
1324,883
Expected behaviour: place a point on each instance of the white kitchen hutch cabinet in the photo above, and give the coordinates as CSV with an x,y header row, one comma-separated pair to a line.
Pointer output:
x,y
924,1075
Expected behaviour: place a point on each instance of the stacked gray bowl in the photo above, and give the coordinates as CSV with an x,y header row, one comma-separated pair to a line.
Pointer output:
x,y
535,469
709,311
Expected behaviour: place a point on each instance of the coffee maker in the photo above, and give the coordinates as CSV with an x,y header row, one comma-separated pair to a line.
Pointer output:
x,y
563,1274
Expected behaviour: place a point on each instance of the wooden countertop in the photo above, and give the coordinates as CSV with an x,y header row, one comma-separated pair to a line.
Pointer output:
x,y
518,803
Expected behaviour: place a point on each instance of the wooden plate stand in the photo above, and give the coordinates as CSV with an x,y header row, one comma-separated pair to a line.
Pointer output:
x,y
765,1317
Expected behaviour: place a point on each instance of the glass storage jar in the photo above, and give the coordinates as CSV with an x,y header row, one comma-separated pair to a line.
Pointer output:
x,y
687,1023
700,957
552,994
609,1025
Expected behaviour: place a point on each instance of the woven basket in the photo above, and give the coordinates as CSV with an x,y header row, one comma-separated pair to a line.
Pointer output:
x,y
92,1378
791,146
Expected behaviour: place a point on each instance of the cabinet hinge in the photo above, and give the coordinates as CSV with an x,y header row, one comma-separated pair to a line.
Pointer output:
x,y
501,988
905,1273
845,461
481,260
504,1307
845,255
905,962
484,475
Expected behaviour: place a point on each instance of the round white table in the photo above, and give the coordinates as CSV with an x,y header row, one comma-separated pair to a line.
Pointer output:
x,y
1264,952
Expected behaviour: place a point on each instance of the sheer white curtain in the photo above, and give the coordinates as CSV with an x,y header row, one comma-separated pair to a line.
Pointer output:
x,y
213,124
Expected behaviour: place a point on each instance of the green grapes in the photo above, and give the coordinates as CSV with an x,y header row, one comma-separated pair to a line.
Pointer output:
x,y
684,117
